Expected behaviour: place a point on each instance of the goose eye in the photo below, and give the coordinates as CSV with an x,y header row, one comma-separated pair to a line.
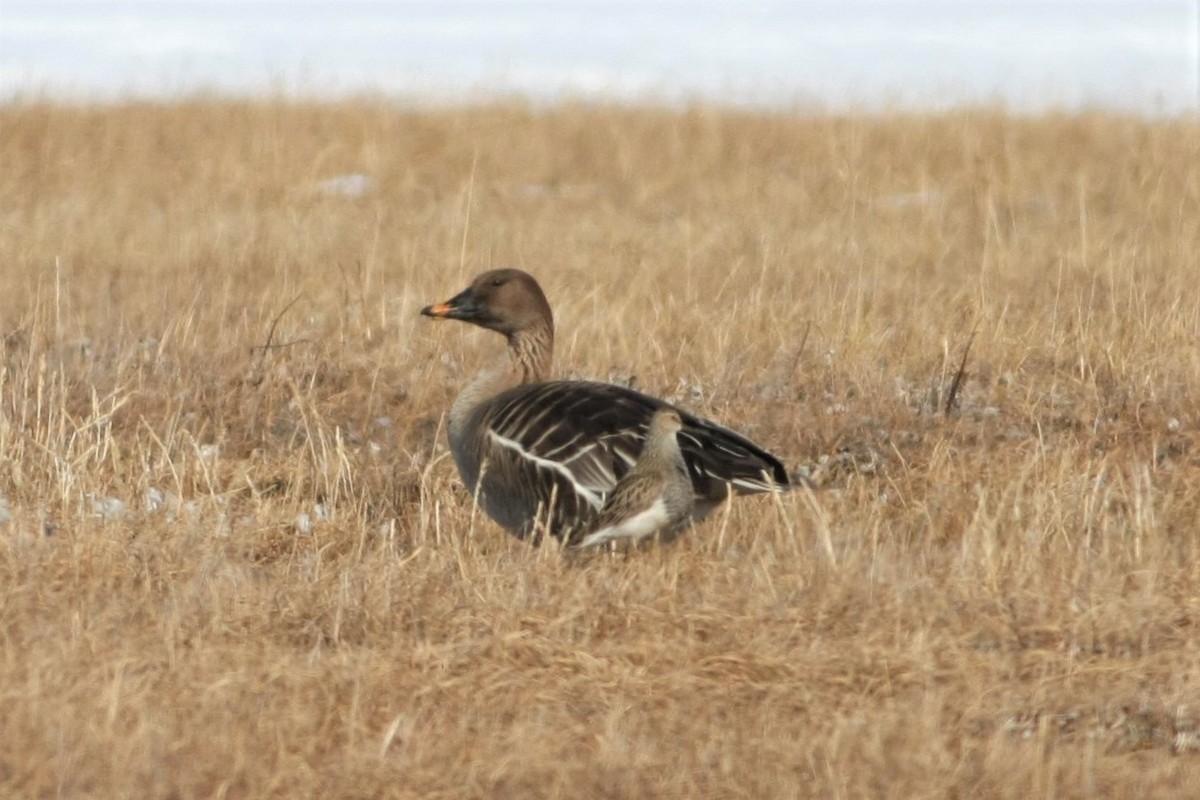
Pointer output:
x,y
497,281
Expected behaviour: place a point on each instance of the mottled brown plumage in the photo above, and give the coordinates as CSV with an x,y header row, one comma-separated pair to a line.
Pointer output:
x,y
655,498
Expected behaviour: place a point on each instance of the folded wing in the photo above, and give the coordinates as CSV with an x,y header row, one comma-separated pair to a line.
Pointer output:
x,y
551,453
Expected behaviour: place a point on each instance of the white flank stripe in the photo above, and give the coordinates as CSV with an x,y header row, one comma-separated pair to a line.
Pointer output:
x,y
581,452
639,526
533,422
567,445
547,432
764,485
628,459
593,499
591,466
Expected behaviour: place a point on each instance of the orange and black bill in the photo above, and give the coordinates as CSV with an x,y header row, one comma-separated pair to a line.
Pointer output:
x,y
461,306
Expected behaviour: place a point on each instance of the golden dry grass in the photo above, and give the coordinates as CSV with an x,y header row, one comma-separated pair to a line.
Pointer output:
x,y
235,561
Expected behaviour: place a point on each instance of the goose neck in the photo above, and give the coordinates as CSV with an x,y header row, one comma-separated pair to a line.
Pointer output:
x,y
531,352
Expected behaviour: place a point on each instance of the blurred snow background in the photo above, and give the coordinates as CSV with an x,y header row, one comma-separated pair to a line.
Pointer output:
x,y
1031,54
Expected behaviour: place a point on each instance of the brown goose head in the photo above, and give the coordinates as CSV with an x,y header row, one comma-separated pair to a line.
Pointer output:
x,y
505,300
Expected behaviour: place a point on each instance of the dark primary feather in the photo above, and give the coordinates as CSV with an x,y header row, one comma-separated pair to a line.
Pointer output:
x,y
577,439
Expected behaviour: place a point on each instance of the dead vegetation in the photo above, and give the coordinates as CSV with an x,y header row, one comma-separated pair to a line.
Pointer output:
x,y
236,562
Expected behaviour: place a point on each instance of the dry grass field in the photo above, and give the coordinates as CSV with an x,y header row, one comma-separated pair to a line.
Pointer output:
x,y
236,561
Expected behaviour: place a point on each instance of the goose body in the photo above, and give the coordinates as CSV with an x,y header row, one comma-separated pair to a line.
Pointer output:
x,y
543,456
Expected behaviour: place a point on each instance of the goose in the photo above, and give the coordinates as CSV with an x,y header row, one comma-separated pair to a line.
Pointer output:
x,y
655,496
541,456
